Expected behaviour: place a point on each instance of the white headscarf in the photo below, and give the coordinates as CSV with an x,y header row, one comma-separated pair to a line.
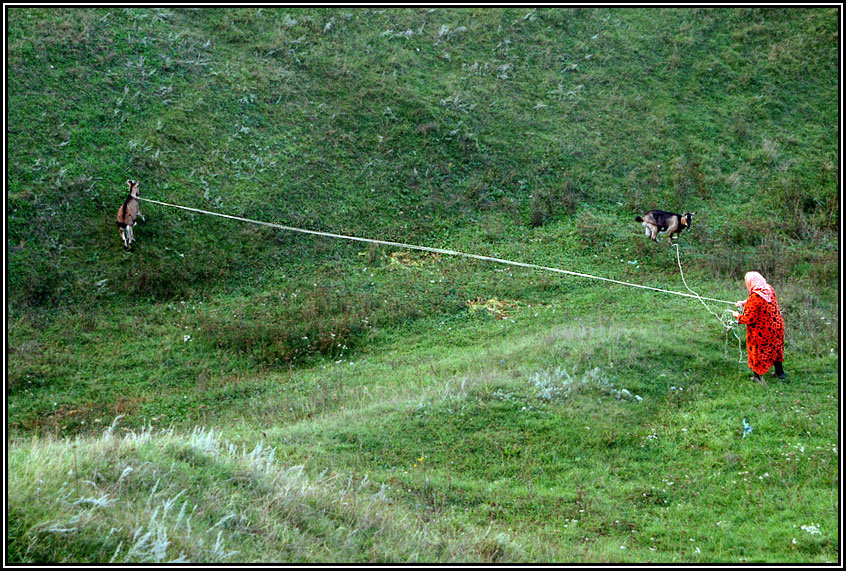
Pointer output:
x,y
756,283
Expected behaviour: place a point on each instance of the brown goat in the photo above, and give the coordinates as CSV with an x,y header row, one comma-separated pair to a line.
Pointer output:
x,y
129,211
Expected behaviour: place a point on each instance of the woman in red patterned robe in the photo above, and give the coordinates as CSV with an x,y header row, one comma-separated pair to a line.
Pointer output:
x,y
764,326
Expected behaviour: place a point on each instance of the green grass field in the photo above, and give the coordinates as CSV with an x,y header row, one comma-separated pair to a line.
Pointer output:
x,y
228,392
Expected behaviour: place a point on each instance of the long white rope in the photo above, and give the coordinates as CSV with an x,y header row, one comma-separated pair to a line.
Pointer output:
x,y
433,250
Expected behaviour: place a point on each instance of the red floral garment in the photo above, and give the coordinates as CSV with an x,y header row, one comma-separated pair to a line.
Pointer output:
x,y
764,332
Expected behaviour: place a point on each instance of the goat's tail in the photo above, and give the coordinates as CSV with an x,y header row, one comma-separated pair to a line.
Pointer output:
x,y
638,219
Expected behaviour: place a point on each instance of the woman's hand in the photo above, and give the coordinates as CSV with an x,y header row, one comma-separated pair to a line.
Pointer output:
x,y
735,314
740,303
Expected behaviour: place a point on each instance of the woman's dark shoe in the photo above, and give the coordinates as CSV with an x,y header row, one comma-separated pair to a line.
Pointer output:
x,y
779,370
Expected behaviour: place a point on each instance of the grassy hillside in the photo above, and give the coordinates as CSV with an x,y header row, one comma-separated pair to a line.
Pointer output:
x,y
230,392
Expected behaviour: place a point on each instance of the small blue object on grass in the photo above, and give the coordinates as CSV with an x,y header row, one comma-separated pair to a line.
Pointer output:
x,y
747,428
